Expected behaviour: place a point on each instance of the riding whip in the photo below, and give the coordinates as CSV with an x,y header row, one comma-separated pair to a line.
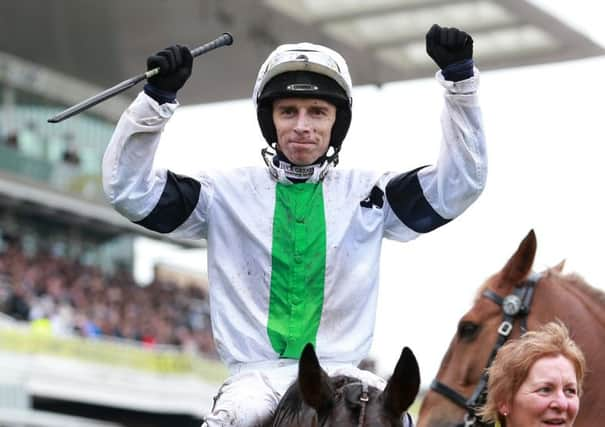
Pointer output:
x,y
223,40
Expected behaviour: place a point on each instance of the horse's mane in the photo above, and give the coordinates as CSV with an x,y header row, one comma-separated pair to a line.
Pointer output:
x,y
581,284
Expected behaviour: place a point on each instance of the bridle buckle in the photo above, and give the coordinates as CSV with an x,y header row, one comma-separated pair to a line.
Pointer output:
x,y
469,420
505,328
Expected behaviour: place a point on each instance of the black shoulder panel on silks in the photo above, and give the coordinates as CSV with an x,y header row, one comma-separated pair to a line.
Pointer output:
x,y
178,200
407,200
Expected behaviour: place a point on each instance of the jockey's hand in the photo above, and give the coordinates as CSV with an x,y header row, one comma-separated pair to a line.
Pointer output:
x,y
447,46
175,64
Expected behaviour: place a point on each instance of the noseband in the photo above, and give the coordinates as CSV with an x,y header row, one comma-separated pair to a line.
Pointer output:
x,y
515,306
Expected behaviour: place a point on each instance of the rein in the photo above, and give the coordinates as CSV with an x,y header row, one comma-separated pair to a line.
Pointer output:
x,y
514,306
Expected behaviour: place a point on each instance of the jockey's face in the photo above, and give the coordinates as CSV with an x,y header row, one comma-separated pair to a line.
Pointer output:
x,y
303,127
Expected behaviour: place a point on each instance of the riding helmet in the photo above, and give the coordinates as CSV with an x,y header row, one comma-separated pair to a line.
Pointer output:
x,y
304,70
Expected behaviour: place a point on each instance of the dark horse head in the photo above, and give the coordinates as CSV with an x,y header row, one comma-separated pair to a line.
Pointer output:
x,y
316,399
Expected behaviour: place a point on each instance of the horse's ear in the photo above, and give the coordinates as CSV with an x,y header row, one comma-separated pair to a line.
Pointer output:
x,y
519,265
559,267
403,386
313,381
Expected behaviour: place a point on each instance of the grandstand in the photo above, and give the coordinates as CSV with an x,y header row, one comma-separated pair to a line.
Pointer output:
x,y
81,342
78,341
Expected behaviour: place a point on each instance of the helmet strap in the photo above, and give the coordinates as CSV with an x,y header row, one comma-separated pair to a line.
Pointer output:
x,y
333,158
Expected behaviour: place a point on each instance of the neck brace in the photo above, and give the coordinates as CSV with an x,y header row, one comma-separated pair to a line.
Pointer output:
x,y
285,172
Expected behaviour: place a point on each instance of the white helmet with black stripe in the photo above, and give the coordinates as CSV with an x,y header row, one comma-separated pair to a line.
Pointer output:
x,y
304,70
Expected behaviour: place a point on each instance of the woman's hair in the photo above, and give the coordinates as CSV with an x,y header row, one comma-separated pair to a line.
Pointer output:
x,y
514,360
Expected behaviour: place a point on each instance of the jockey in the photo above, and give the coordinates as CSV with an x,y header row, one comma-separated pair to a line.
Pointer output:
x,y
294,246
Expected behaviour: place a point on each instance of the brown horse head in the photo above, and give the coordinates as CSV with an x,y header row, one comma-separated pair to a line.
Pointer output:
x,y
545,297
316,399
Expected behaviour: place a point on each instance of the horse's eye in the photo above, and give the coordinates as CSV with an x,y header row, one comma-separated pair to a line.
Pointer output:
x,y
467,330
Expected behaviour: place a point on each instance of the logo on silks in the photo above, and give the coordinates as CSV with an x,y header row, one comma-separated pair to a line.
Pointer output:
x,y
376,198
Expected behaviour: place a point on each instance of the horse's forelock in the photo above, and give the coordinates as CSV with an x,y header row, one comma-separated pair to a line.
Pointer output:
x,y
339,381
291,407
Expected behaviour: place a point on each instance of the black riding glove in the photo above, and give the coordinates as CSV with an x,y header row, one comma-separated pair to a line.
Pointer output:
x,y
452,51
175,64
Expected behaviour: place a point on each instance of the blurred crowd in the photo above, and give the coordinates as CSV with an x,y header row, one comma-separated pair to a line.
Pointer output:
x,y
71,299
78,300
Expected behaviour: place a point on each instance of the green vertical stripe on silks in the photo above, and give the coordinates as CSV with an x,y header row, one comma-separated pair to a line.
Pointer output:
x,y
298,267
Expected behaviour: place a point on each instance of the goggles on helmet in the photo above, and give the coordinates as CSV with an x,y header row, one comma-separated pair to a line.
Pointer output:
x,y
304,57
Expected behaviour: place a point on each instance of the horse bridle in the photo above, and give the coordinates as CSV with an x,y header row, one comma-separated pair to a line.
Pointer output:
x,y
363,399
514,306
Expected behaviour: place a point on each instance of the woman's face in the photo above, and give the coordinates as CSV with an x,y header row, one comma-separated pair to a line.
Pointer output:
x,y
547,397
